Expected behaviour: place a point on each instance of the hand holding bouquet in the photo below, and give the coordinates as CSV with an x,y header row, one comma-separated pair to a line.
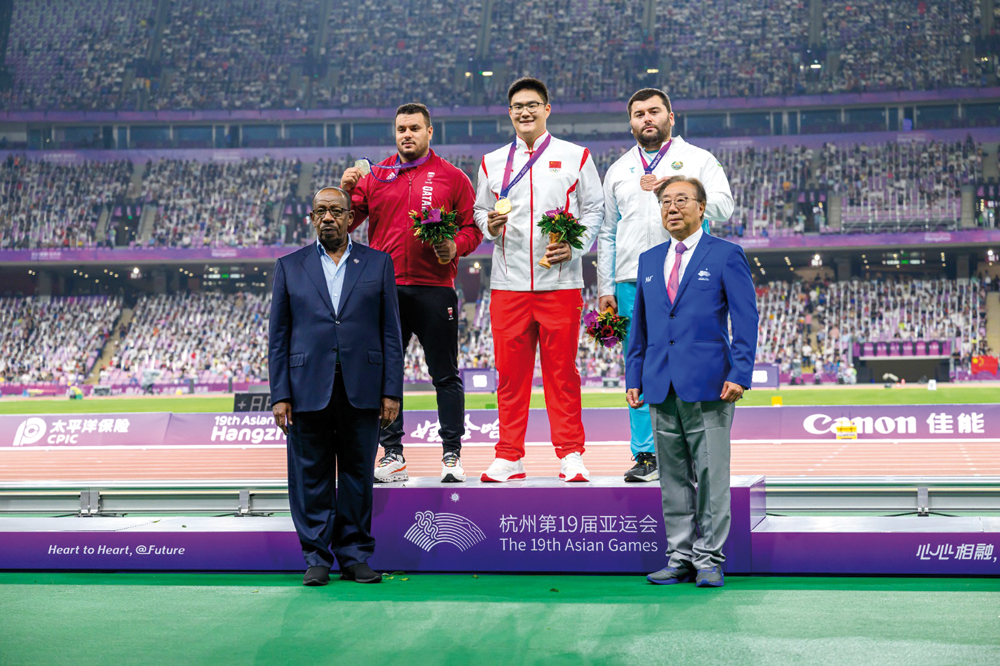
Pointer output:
x,y
435,226
606,328
561,227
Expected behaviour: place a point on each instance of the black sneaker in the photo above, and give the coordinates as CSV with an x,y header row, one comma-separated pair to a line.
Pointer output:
x,y
644,469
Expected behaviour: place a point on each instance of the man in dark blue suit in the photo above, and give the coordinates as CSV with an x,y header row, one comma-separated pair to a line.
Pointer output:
x,y
681,359
336,368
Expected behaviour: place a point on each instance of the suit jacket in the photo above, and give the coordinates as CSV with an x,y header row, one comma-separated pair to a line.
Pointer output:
x,y
306,337
687,344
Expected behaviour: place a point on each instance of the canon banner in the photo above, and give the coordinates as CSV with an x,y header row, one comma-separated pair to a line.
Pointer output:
x,y
769,424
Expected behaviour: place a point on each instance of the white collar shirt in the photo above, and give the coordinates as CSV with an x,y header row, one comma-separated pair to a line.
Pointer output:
x,y
691,242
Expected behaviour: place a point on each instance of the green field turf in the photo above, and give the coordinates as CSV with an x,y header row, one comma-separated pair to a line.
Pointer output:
x,y
859,395
128,618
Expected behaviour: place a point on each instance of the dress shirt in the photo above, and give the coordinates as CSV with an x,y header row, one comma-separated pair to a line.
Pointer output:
x,y
690,243
334,272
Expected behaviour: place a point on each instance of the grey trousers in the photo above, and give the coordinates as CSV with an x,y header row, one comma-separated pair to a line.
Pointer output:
x,y
692,449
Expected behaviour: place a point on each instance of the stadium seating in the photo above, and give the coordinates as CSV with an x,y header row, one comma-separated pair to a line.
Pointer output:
x,y
208,337
268,54
219,203
212,337
72,54
46,204
237,54
53,340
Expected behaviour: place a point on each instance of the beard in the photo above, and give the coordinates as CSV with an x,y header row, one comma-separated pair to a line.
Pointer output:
x,y
655,140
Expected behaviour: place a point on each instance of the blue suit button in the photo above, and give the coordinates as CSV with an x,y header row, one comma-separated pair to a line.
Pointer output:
x,y
671,342
672,316
337,322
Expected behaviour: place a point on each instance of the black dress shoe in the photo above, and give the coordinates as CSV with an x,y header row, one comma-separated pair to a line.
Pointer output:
x,y
361,573
316,576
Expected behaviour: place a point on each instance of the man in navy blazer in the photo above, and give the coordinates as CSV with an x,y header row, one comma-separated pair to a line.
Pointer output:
x,y
335,359
681,361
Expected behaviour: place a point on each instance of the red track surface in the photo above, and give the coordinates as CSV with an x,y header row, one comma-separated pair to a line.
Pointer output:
x,y
786,459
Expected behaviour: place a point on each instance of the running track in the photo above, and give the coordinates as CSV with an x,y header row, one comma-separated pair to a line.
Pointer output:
x,y
833,458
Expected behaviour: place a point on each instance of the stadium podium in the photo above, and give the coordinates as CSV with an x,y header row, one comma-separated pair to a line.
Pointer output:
x,y
539,525
536,525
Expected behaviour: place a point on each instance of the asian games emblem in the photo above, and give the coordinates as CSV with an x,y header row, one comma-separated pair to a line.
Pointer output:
x,y
431,529
677,166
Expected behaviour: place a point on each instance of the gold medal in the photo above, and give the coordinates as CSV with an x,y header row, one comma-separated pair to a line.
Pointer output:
x,y
502,206
362,166
647,182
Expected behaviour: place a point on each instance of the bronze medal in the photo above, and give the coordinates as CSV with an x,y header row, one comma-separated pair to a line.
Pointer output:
x,y
647,182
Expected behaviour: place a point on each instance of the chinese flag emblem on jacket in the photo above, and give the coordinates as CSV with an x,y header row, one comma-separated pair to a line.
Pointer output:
x,y
984,364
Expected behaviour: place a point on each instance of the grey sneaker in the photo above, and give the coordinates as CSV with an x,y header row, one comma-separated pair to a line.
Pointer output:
x,y
670,576
391,468
710,577
644,469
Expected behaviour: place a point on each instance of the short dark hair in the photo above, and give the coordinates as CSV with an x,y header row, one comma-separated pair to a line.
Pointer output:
x,y
699,189
413,107
648,93
528,83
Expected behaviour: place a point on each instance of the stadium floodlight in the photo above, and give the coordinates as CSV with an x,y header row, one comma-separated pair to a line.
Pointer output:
x,y
652,70
487,73
135,271
815,65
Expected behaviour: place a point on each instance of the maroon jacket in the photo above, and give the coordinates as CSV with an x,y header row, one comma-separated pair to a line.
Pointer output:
x,y
434,184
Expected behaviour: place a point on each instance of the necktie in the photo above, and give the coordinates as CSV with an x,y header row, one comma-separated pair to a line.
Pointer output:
x,y
674,281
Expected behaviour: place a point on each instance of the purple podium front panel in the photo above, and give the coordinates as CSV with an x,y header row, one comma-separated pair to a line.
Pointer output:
x,y
930,546
541,525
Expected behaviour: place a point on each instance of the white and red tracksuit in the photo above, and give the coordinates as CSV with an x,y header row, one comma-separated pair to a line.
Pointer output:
x,y
533,306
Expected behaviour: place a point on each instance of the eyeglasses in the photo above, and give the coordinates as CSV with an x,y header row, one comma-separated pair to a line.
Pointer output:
x,y
321,212
530,106
680,201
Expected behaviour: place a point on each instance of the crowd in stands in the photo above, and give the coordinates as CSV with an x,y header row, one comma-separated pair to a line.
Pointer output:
x,y
721,48
584,51
900,45
75,55
269,54
219,203
903,181
813,325
234,54
53,339
47,204
778,191
213,337
408,50
208,337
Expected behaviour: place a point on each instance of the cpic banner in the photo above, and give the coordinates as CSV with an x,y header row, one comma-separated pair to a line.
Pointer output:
x,y
769,424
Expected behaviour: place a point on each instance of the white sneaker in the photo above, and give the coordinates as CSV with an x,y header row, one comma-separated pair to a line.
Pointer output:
x,y
502,471
451,469
391,468
571,468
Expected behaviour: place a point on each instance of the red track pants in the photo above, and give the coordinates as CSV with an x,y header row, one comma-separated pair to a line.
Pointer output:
x,y
522,321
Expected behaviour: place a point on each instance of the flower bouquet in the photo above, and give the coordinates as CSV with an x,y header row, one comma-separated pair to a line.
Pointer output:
x,y
606,328
434,225
561,227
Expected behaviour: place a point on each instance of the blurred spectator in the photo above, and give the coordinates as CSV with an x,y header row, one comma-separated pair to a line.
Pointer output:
x,y
219,203
46,204
53,339
208,337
